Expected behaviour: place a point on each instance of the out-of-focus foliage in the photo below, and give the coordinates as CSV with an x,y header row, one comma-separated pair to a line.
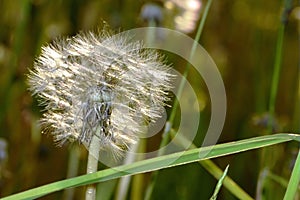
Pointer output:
x,y
239,35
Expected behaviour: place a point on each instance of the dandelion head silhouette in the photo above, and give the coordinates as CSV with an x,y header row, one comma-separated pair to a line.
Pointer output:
x,y
99,84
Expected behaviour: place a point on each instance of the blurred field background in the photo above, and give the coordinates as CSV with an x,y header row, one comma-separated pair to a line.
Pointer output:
x,y
240,36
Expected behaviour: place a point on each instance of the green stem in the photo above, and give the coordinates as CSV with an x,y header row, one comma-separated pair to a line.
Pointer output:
x,y
92,165
170,122
275,77
187,69
288,4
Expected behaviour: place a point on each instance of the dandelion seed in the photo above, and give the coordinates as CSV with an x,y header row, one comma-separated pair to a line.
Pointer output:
x,y
104,83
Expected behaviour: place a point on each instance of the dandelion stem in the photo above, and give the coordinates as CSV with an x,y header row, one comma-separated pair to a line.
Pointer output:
x,y
92,164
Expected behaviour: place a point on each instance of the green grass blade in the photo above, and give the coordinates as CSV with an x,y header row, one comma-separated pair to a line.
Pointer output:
x,y
157,163
216,172
228,183
294,181
219,184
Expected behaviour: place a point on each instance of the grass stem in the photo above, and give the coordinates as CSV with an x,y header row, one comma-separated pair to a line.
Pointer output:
x,y
275,76
92,165
169,123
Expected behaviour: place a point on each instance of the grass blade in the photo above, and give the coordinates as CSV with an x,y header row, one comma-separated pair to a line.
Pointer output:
x,y
216,172
219,184
294,181
157,163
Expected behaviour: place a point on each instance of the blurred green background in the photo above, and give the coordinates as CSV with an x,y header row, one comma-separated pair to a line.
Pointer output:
x,y
240,36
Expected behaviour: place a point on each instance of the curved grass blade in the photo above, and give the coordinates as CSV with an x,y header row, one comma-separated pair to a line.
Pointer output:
x,y
157,163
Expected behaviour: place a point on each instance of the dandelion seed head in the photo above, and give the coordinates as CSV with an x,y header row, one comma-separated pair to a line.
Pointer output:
x,y
99,82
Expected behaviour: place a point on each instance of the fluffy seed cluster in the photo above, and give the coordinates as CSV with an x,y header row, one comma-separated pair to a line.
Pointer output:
x,y
99,83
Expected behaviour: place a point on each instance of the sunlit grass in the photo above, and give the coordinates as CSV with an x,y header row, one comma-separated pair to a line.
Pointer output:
x,y
161,162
